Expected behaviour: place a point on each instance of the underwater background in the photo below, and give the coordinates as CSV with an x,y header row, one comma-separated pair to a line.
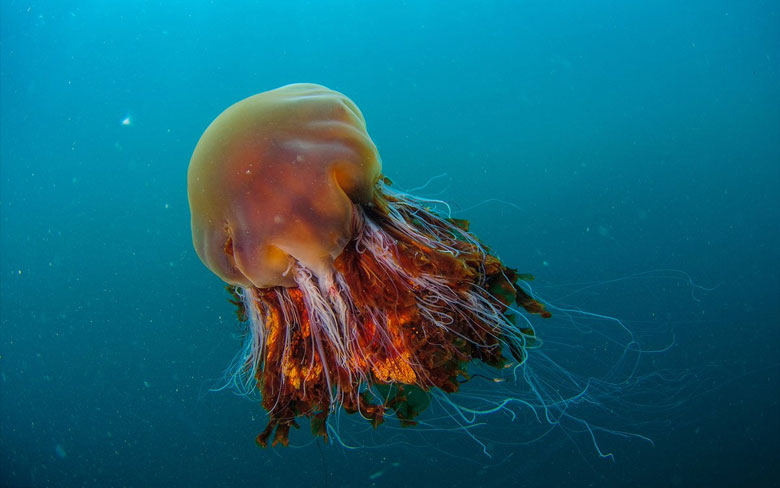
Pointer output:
x,y
625,153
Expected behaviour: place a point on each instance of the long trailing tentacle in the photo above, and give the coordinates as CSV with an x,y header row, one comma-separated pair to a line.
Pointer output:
x,y
412,299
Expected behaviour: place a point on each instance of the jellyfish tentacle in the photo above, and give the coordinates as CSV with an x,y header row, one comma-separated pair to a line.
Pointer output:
x,y
386,317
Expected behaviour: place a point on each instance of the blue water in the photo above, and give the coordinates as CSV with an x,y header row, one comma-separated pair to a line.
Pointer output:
x,y
586,141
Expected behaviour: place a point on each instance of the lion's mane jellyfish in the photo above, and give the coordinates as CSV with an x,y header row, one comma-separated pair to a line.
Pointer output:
x,y
355,295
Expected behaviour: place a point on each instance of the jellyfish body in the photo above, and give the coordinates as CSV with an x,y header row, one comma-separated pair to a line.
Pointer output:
x,y
276,175
356,296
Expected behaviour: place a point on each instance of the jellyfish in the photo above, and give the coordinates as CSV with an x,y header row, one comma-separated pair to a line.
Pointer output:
x,y
355,295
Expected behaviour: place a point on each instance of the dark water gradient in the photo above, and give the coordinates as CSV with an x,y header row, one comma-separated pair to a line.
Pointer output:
x,y
628,136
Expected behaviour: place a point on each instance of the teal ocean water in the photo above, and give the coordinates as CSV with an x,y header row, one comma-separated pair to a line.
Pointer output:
x,y
627,154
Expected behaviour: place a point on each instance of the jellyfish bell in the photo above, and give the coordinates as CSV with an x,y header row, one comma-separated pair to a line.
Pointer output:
x,y
356,296
273,179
